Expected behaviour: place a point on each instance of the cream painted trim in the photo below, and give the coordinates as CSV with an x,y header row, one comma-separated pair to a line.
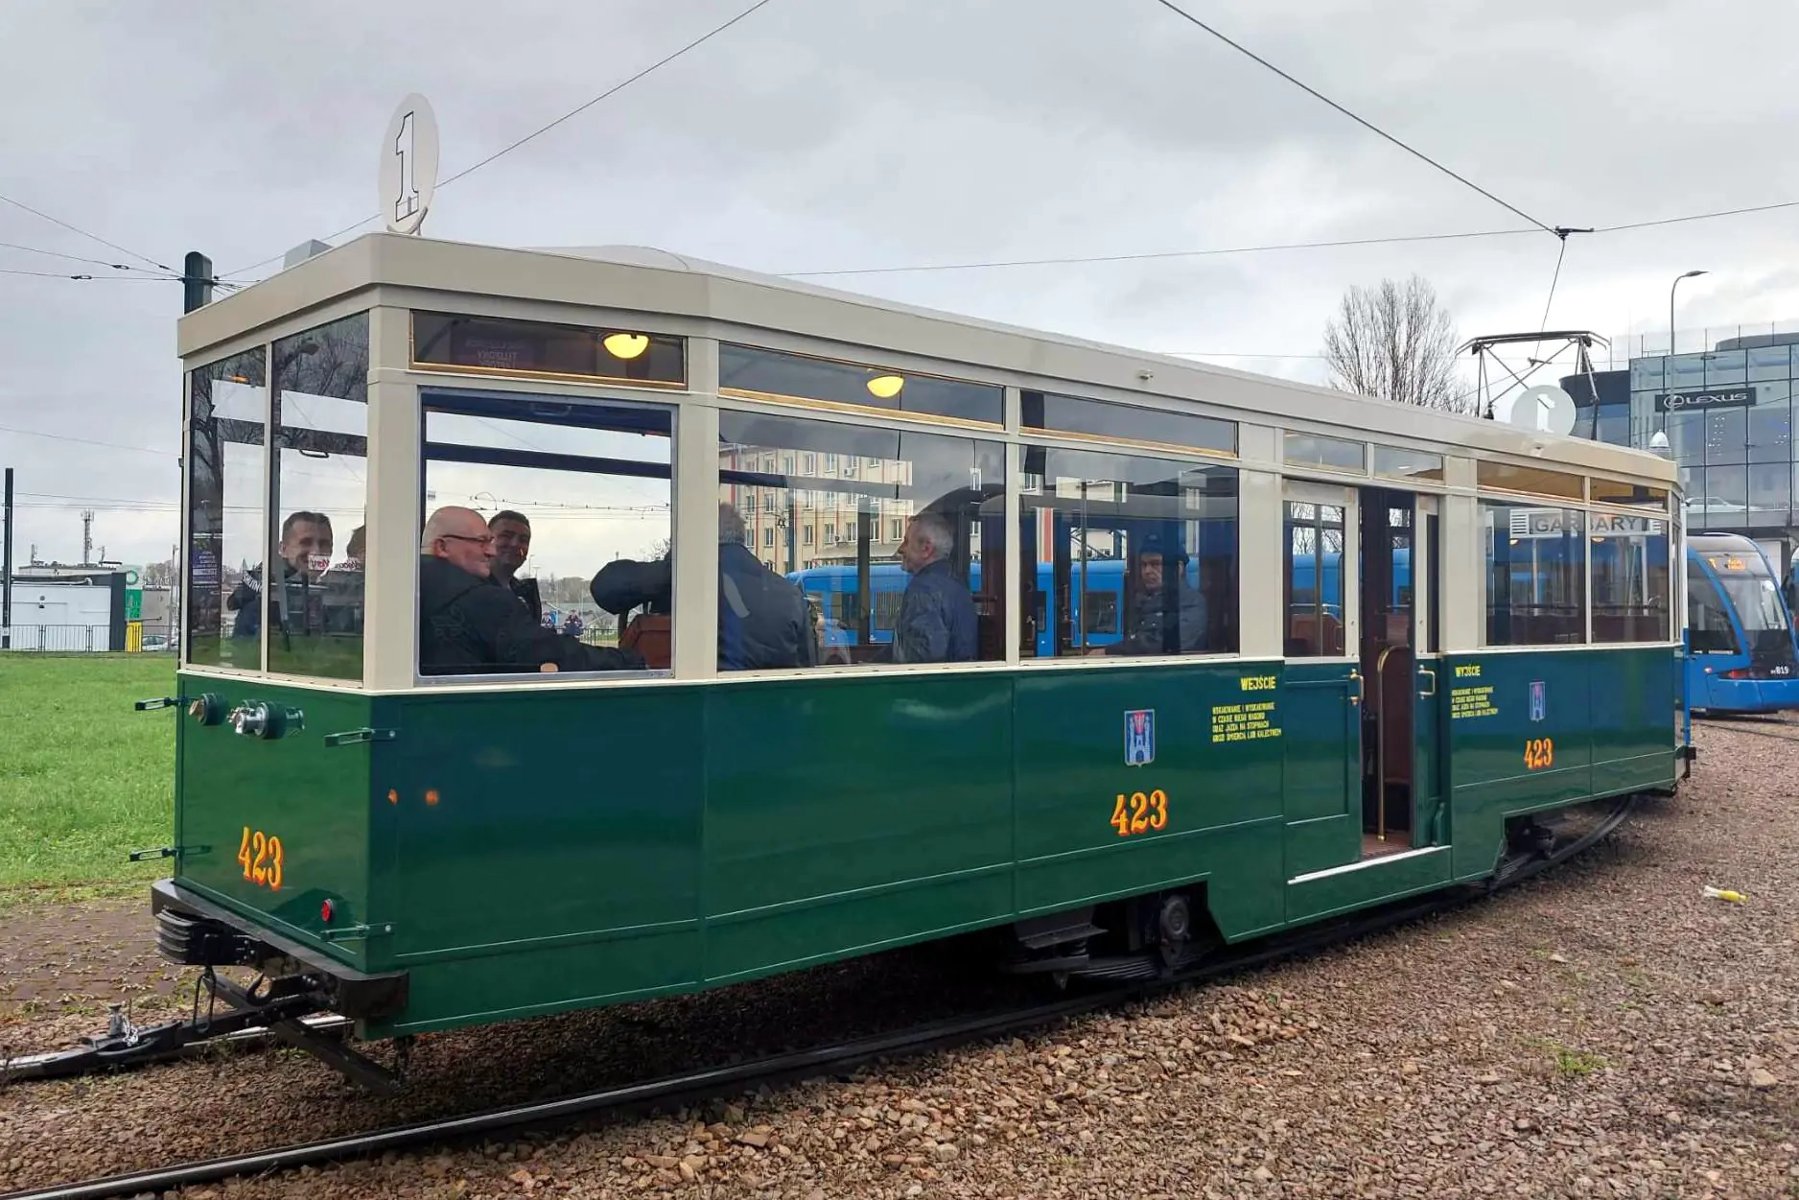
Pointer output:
x,y
395,492
694,489
1260,558
363,300
1363,864
1013,610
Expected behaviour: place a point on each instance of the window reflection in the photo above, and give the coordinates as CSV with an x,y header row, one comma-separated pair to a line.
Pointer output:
x,y
908,564
1536,574
229,405
1159,537
315,605
1630,579
1312,545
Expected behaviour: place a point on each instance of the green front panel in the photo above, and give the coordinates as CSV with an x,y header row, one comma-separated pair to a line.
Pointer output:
x,y
1219,732
1604,714
546,843
847,813
1323,754
314,799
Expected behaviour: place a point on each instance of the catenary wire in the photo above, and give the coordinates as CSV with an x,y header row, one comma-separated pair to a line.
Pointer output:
x,y
84,233
1370,126
543,129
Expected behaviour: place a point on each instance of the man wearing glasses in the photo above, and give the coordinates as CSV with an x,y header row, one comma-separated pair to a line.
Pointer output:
x,y
468,626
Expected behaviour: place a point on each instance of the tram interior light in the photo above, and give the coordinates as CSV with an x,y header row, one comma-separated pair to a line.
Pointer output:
x,y
625,345
886,386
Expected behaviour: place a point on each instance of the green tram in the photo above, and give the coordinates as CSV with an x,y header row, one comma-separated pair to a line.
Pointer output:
x,y
427,851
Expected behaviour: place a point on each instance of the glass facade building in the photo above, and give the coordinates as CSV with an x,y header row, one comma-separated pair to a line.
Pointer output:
x,y
1727,414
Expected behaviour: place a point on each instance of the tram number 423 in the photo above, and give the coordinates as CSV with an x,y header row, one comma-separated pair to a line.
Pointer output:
x,y
1539,754
1140,812
262,858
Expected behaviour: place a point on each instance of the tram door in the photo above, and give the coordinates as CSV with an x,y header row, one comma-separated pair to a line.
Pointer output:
x,y
1399,791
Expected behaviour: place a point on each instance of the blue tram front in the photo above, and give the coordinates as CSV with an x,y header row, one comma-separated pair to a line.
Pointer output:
x,y
1741,656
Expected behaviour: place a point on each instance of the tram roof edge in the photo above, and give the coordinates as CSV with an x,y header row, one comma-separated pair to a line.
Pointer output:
x,y
686,287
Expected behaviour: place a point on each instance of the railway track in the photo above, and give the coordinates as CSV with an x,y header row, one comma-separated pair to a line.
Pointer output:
x,y
790,1067
1749,725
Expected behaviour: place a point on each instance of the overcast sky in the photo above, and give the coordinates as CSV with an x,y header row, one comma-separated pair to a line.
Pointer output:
x,y
826,134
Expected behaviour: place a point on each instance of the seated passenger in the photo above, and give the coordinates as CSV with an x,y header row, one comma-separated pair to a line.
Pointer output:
x,y
304,535
469,626
936,617
1165,616
762,621
511,543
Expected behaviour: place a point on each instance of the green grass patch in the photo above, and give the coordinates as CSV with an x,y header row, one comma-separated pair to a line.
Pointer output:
x,y
1575,1063
84,779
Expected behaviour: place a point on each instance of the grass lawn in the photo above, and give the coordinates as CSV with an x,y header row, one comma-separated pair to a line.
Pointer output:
x,y
84,779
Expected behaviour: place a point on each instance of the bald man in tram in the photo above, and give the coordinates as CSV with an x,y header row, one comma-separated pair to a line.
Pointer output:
x,y
468,626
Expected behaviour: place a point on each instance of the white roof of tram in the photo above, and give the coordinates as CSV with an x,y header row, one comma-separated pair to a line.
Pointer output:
x,y
715,299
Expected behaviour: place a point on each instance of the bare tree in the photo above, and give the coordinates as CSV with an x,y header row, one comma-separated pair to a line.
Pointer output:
x,y
1395,342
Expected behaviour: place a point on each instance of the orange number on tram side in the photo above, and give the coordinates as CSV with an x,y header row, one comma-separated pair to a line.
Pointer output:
x,y
262,857
1140,813
1539,754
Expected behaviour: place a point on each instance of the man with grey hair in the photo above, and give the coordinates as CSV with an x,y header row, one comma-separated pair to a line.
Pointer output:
x,y
936,617
469,626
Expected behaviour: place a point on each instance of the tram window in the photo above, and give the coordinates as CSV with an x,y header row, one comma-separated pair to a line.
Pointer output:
x,y
1074,414
1708,621
229,407
319,500
1156,537
1507,477
1310,450
506,347
1636,495
592,482
1313,572
1631,583
1536,574
1393,463
931,594
754,373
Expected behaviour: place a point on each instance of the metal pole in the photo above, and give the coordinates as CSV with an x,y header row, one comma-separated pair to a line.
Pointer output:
x,y
1671,288
6,572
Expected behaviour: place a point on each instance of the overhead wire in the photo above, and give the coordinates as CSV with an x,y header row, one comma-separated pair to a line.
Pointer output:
x,y
64,437
1366,124
84,233
543,129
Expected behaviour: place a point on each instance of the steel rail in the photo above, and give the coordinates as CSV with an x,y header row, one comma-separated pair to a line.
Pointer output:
x,y
803,1064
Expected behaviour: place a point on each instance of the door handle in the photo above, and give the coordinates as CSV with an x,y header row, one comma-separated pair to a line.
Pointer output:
x,y
1433,682
1355,677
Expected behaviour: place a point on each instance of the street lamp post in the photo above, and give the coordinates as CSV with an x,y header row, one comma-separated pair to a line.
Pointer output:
x,y
1671,288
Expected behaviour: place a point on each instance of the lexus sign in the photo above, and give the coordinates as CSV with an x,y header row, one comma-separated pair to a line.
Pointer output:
x,y
1731,397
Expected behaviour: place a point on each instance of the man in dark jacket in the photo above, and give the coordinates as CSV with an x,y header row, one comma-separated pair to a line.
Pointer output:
x,y
468,626
762,619
304,536
936,617
1165,616
511,543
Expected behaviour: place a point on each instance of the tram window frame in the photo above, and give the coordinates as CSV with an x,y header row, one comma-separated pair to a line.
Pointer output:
x,y
1530,481
324,638
1317,451
1414,466
1058,413
573,415
1703,595
465,342
209,548
1646,619
1320,520
1567,573
950,472
749,372
1057,497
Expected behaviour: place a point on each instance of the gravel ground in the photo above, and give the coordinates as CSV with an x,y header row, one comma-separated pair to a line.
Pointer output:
x,y
1602,1031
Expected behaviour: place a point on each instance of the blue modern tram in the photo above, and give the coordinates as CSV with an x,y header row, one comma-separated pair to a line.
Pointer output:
x,y
1741,652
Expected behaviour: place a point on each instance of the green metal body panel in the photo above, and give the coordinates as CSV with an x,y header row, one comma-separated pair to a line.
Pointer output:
x,y
524,852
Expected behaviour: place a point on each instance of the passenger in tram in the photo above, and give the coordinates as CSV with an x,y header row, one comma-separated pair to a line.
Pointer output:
x,y
511,543
762,619
469,626
1165,615
304,535
936,618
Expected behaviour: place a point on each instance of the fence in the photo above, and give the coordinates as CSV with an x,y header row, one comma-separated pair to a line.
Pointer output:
x,y
84,639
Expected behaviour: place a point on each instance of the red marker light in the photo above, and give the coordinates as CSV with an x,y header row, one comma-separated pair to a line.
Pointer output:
x,y
325,912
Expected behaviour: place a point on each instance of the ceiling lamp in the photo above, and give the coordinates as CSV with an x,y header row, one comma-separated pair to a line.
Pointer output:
x,y
886,386
625,345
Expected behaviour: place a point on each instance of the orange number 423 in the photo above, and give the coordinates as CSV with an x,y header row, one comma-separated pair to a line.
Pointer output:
x,y
261,858
1139,813
1539,754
